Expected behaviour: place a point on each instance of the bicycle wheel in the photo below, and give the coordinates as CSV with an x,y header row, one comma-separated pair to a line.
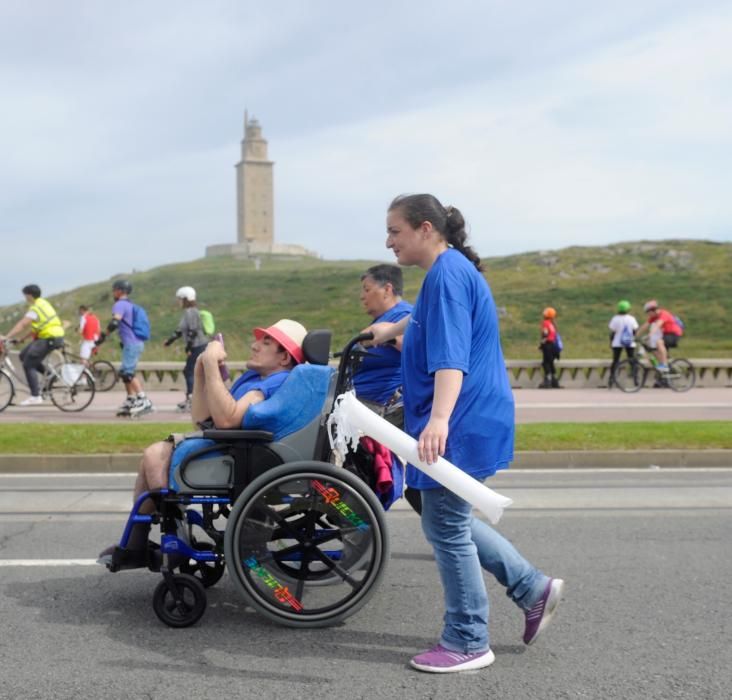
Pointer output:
x,y
629,376
681,375
72,396
7,390
104,373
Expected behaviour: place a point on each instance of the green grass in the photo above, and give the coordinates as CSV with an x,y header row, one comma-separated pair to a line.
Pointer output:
x,y
697,435
692,278
88,438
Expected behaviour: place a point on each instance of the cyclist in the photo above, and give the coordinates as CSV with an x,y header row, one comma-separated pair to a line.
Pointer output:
x,y
89,327
549,349
191,328
136,403
623,327
663,332
47,332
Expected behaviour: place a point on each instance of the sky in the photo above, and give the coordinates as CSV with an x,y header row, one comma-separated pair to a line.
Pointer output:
x,y
547,124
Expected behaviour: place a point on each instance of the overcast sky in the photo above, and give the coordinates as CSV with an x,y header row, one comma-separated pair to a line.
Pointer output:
x,y
547,123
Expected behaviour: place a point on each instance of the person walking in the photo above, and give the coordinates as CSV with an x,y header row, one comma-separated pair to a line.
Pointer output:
x,y
89,328
190,327
458,403
623,327
123,318
549,348
42,323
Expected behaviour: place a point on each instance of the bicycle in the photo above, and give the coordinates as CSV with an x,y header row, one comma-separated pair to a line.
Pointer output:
x,y
69,386
103,371
631,376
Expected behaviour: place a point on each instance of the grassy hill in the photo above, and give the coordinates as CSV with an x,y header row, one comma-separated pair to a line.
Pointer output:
x,y
692,278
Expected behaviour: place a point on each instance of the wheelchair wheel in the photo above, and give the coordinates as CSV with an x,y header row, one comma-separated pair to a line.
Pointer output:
x,y
681,375
629,376
307,544
209,573
182,607
7,390
72,397
104,373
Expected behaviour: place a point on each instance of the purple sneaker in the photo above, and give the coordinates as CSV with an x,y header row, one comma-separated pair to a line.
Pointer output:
x,y
441,660
541,614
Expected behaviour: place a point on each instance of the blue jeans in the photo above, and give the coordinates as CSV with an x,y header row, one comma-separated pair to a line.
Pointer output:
x,y
462,545
130,357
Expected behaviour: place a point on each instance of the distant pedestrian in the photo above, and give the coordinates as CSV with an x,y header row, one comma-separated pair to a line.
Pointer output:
x,y
191,329
126,317
623,327
89,328
550,348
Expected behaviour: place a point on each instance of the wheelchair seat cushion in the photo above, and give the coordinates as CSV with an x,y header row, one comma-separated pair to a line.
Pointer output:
x,y
182,450
297,402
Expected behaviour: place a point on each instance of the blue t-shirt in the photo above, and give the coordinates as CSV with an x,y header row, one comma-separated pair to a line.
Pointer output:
x,y
251,381
454,325
380,374
123,308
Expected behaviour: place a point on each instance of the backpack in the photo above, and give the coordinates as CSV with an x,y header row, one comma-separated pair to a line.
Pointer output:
x,y
680,323
140,323
207,321
558,343
626,337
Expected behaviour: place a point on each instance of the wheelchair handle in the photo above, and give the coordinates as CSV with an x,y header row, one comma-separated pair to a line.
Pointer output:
x,y
345,357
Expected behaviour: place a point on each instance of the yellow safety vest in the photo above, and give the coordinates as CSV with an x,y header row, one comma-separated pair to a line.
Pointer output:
x,y
48,324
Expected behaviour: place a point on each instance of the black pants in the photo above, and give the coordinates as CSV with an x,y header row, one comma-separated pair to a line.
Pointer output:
x,y
188,370
32,357
548,357
617,352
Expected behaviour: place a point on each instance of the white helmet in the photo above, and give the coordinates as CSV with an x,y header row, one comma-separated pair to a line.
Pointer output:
x,y
186,293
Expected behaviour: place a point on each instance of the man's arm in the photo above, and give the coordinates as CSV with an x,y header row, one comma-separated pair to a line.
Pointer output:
x,y
21,325
199,405
225,411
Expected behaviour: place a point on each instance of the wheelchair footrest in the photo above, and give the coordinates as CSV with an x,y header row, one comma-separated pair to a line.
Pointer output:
x,y
150,558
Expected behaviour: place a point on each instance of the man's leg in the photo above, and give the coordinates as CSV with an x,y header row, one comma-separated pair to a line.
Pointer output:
x,y
661,352
32,359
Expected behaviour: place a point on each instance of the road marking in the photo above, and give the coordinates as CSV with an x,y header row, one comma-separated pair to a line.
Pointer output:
x,y
627,404
48,562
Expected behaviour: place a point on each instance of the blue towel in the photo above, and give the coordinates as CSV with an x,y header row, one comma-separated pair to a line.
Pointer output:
x,y
297,402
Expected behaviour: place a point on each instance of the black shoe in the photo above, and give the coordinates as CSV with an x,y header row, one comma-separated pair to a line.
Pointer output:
x,y
555,384
546,384
118,559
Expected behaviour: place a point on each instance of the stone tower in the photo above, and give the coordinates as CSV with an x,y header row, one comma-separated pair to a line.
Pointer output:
x,y
254,202
254,191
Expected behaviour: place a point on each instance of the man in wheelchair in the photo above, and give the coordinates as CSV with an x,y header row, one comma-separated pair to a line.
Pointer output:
x,y
273,353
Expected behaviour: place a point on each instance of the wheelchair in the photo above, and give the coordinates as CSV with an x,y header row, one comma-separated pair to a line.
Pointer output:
x,y
305,542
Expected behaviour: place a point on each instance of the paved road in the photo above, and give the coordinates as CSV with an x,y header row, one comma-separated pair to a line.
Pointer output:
x,y
532,405
645,555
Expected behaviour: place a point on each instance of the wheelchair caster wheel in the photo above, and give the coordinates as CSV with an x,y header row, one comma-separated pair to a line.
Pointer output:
x,y
183,606
208,573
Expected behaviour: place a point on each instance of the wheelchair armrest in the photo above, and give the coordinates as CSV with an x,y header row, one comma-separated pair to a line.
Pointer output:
x,y
236,435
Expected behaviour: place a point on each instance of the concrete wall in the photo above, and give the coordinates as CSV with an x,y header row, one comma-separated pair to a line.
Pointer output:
x,y
526,374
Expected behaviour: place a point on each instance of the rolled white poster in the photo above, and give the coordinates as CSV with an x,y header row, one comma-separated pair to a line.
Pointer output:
x,y
351,419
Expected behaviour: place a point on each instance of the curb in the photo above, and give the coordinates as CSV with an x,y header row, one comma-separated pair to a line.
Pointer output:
x,y
560,459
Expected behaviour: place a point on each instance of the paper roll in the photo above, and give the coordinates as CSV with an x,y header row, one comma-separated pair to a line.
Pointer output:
x,y
351,419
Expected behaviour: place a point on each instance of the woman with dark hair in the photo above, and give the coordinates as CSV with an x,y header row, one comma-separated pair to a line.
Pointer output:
x,y
458,403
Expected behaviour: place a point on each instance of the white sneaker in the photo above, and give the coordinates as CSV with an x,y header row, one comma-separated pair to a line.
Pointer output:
x,y
32,401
